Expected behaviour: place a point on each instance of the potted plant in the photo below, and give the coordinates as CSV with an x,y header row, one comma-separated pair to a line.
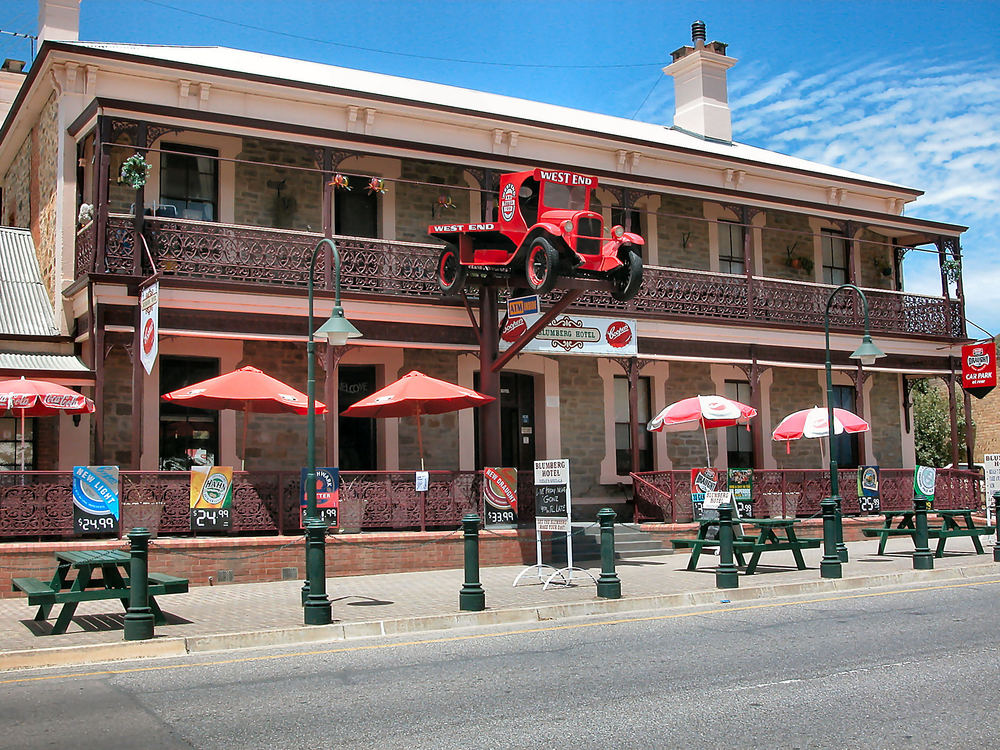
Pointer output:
x,y
135,171
952,269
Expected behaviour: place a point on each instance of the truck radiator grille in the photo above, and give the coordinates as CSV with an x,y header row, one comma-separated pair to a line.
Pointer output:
x,y
589,235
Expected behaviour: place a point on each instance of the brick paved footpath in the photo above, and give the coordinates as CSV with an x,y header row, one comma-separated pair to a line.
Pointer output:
x,y
395,602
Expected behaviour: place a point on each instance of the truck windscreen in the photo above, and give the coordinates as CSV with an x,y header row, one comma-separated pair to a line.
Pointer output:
x,y
573,198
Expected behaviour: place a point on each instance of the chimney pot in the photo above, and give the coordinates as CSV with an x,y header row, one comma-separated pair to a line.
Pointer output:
x,y
698,33
12,66
701,100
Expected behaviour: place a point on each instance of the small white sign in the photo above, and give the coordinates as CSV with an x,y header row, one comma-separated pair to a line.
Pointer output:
x,y
422,480
552,524
714,499
555,471
991,465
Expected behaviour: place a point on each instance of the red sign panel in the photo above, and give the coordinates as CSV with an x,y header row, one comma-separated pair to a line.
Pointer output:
x,y
979,368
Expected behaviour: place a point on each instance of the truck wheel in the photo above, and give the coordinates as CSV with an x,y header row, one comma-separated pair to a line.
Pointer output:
x,y
627,279
450,272
540,268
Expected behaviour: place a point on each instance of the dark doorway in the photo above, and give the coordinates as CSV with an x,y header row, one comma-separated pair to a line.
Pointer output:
x,y
845,447
188,436
517,421
358,451
356,213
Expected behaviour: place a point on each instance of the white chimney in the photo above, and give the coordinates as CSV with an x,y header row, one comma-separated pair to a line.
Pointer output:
x,y
58,20
701,100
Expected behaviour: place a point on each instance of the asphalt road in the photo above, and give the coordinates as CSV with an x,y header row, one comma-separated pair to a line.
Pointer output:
x,y
915,668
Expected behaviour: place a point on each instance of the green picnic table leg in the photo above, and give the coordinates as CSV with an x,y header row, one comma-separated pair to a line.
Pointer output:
x,y
69,608
975,537
796,550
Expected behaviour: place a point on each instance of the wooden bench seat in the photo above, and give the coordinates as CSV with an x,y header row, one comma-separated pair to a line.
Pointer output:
x,y
39,592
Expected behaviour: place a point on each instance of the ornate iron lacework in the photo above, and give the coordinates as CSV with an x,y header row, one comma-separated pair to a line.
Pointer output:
x,y
85,249
232,253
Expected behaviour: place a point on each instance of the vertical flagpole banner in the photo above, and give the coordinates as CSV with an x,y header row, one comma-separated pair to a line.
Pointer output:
x,y
327,496
95,499
868,493
500,496
924,479
211,498
149,323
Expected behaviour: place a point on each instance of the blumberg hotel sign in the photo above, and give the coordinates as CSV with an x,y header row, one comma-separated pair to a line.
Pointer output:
x,y
568,334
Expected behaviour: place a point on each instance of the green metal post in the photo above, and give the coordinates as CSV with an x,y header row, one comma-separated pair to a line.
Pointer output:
x,y
996,521
922,557
139,619
609,586
472,598
727,576
830,566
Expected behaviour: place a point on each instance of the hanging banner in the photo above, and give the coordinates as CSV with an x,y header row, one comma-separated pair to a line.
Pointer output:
x,y
979,368
500,496
924,479
327,497
95,499
868,497
552,496
149,325
741,490
211,498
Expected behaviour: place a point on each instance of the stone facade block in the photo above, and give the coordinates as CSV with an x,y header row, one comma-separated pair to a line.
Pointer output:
x,y
791,390
682,242
299,202
795,239
417,205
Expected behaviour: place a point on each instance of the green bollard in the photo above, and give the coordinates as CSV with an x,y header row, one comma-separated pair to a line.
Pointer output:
x,y
317,609
830,566
922,557
139,618
609,586
727,575
996,521
841,547
472,598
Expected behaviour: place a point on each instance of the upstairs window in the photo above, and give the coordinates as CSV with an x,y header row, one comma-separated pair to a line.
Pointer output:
x,y
189,181
12,445
355,214
835,257
731,248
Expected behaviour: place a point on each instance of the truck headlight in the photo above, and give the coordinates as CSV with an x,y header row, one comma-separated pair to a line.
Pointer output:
x,y
617,231
567,227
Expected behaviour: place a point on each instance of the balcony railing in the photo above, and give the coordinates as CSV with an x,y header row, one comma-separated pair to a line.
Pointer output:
x,y
227,253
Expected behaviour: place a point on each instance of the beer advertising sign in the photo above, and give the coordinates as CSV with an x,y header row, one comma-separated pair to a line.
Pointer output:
x,y
95,499
211,498
500,495
327,496
979,368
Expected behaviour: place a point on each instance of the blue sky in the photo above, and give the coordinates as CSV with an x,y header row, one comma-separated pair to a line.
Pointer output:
x,y
906,91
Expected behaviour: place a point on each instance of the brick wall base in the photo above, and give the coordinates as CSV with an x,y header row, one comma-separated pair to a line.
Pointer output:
x,y
219,561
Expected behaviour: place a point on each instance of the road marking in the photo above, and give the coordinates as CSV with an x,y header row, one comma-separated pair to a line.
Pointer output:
x,y
456,638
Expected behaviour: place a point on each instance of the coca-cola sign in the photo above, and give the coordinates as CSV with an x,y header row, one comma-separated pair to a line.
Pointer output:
x,y
979,368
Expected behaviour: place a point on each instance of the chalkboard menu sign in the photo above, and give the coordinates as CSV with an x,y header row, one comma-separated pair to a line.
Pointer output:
x,y
552,497
550,500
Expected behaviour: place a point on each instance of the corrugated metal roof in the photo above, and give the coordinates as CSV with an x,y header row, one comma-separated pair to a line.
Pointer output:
x,y
53,362
25,309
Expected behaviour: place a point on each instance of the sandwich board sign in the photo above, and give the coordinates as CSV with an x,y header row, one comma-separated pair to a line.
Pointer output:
x,y
553,501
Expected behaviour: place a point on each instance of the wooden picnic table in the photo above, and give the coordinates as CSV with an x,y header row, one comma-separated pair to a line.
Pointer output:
x,y
765,540
954,523
112,583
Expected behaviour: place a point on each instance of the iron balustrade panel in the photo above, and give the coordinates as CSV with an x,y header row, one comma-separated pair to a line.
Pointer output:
x,y
370,266
36,503
85,249
118,245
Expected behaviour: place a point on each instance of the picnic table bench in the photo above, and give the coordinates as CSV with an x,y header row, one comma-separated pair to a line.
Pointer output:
x,y
954,523
766,540
113,583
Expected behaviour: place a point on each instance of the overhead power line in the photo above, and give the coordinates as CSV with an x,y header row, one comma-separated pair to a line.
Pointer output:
x,y
491,63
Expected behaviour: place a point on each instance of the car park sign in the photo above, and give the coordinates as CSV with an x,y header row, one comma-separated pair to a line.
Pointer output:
x,y
979,368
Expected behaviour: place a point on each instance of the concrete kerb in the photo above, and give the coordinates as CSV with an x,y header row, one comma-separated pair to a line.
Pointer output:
x,y
174,647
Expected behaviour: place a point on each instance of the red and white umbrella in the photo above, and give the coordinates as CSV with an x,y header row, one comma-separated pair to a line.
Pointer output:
x,y
40,398
703,411
814,423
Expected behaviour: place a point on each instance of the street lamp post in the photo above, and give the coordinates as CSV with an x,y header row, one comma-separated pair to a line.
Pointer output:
x,y
337,330
834,550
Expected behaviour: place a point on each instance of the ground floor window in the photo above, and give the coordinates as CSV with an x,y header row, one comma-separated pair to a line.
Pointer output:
x,y
845,447
623,431
188,436
11,444
739,440
358,449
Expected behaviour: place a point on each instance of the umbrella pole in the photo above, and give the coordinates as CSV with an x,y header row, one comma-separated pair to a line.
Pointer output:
x,y
246,419
420,442
708,454
22,439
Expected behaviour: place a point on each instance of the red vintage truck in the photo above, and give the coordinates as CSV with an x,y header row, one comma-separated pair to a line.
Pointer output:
x,y
545,229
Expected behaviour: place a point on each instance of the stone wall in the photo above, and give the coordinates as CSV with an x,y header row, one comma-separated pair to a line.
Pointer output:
x,y
116,411
416,204
791,390
682,242
885,422
279,441
784,233
47,163
581,424
876,261
17,189
440,431
300,203
687,449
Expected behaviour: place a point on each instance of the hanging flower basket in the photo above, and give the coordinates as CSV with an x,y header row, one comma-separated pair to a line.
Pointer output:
x,y
135,171
952,270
